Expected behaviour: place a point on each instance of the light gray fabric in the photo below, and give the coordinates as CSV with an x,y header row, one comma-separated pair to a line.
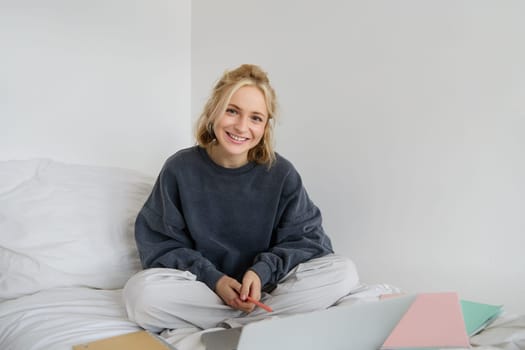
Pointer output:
x,y
161,298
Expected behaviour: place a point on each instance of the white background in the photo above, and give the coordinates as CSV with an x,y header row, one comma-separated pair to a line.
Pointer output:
x,y
95,81
406,119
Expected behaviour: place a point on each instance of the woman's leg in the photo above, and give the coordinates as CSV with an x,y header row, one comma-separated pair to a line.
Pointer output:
x,y
162,298
167,298
313,285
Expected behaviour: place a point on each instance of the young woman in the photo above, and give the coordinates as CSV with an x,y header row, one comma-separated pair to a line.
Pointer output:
x,y
229,219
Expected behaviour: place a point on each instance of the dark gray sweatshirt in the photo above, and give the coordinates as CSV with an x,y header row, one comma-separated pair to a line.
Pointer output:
x,y
212,221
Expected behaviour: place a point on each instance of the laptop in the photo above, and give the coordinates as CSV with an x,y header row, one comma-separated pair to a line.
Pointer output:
x,y
359,326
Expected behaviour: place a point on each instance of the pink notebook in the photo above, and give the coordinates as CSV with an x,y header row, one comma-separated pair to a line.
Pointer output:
x,y
434,320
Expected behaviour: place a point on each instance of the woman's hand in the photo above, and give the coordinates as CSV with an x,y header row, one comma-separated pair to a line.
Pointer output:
x,y
251,285
229,290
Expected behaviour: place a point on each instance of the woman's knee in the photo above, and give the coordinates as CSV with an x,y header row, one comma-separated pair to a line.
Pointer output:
x,y
136,296
332,270
340,271
147,290
346,269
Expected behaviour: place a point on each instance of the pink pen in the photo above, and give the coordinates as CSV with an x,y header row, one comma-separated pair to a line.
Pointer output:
x,y
259,304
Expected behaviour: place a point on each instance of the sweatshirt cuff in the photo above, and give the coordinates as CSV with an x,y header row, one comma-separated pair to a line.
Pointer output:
x,y
210,277
263,270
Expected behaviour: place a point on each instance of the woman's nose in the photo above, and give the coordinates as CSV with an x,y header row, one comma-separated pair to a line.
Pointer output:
x,y
241,123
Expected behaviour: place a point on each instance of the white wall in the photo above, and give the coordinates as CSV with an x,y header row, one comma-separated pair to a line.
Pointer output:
x,y
407,122
98,81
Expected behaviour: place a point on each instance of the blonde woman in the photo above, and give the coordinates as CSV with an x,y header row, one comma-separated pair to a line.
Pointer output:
x,y
229,220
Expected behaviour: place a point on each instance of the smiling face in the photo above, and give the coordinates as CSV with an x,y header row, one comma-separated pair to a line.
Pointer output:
x,y
240,128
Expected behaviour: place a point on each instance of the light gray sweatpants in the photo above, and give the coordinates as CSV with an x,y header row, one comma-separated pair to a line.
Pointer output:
x,y
161,298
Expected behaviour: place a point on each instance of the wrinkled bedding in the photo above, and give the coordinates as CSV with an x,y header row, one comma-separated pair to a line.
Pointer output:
x,y
59,318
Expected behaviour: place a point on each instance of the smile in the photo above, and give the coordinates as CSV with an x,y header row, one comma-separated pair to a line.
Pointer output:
x,y
236,138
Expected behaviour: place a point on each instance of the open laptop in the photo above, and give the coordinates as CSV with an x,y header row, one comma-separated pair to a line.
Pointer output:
x,y
362,326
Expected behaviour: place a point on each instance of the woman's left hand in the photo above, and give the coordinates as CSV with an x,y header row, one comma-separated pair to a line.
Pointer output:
x,y
251,285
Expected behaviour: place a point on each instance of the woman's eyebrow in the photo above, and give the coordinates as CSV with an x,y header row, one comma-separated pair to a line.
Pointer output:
x,y
234,106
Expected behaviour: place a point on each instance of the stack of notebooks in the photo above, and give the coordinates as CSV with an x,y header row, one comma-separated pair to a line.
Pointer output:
x,y
440,321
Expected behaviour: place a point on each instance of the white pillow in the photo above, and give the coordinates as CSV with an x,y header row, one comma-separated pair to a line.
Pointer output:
x,y
67,225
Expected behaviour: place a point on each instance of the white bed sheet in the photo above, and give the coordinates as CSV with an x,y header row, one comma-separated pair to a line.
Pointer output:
x,y
506,332
59,318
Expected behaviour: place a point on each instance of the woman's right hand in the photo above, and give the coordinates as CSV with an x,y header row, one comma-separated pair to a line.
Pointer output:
x,y
228,289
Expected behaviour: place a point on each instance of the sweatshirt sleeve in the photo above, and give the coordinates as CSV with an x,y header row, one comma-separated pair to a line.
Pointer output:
x,y
298,236
162,237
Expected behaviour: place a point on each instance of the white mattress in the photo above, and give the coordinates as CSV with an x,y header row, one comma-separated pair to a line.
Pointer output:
x,y
59,318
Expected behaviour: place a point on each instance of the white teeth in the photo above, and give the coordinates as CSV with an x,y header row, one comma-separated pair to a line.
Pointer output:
x,y
237,138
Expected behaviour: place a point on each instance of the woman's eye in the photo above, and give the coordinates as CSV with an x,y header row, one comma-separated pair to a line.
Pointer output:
x,y
231,111
257,118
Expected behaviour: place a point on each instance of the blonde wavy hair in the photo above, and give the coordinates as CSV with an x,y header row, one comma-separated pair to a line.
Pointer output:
x,y
228,84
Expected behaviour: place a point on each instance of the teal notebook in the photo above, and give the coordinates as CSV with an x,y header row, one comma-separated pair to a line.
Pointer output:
x,y
477,316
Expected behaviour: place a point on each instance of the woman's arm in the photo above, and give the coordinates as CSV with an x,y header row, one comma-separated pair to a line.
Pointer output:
x,y
162,237
298,236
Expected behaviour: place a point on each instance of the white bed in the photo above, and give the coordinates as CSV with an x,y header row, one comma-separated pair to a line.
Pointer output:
x,y
67,248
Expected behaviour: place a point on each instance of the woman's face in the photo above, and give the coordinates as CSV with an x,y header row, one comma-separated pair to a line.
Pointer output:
x,y
240,128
